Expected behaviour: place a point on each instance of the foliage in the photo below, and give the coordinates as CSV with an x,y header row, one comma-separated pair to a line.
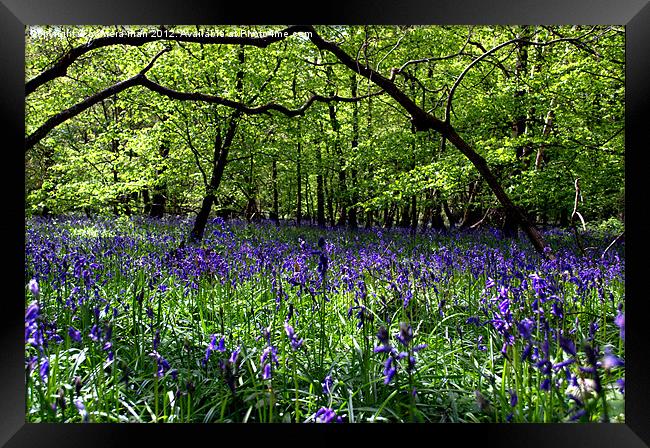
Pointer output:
x,y
108,159
267,323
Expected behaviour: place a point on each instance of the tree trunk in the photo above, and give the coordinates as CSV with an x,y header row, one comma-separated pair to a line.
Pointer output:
x,y
275,214
159,199
352,213
219,161
299,196
320,194
414,213
450,216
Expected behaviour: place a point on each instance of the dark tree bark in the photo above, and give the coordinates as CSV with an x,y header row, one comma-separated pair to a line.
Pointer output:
x,y
299,180
450,216
414,213
352,213
298,163
370,219
342,188
320,194
405,216
389,217
146,199
437,222
275,214
329,189
159,199
473,212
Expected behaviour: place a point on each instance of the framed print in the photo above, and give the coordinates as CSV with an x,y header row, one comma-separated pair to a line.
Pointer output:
x,y
375,215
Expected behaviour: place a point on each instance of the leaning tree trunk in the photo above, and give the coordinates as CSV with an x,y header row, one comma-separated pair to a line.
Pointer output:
x,y
219,164
423,121
219,160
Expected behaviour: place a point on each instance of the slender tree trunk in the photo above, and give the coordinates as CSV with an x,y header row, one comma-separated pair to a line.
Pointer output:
x,y
146,199
510,222
159,199
450,216
299,180
308,200
330,202
320,194
275,214
370,216
352,213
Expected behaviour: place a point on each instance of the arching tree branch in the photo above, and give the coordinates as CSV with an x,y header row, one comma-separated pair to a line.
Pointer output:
x,y
141,80
60,68
424,121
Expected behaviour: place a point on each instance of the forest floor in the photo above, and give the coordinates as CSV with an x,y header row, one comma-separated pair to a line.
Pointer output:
x,y
273,323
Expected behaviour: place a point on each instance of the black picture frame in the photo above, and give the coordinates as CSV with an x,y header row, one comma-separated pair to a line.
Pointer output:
x,y
15,14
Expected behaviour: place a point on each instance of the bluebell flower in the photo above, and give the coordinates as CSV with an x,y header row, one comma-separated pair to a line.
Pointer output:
x,y
293,340
525,327
269,357
513,398
214,346
382,335
75,335
568,345
34,288
156,340
610,360
44,371
620,322
234,355
326,415
162,363
405,335
327,385
82,409
578,414
546,385
95,333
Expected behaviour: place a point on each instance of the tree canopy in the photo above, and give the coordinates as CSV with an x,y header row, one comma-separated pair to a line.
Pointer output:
x,y
412,126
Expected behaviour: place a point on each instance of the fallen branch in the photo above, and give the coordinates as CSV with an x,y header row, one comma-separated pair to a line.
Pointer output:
x,y
612,244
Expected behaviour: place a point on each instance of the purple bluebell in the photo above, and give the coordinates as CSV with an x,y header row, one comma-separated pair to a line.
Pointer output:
x,y
44,371
162,364
75,335
611,361
82,410
568,345
326,415
525,327
234,355
620,322
405,335
513,398
214,346
95,333
34,288
327,385
293,340
268,358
